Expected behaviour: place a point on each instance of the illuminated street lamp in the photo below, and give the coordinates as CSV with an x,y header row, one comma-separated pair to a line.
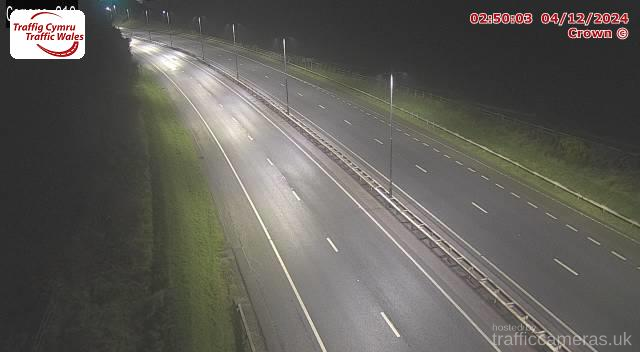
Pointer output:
x,y
233,29
127,14
286,84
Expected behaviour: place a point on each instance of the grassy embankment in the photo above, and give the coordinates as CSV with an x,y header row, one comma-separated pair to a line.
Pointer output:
x,y
604,175
188,271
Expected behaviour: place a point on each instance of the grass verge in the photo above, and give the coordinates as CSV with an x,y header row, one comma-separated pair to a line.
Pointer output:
x,y
191,309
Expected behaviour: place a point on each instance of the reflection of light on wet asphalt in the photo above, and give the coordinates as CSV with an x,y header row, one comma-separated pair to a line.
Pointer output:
x,y
171,62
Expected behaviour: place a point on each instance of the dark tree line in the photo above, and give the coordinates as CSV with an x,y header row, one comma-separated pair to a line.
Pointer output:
x,y
75,222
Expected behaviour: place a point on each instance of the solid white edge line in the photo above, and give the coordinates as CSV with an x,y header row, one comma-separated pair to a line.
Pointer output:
x,y
620,256
565,266
421,169
390,324
255,211
364,210
335,249
479,207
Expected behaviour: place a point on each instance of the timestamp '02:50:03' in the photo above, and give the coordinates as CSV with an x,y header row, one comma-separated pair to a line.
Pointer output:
x,y
501,18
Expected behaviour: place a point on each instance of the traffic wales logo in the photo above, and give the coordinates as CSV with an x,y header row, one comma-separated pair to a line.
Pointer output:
x,y
47,34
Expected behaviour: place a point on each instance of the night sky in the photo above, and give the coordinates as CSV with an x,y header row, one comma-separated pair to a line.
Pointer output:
x,y
592,85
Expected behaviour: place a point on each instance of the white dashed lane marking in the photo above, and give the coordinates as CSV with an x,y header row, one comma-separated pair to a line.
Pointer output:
x,y
593,241
566,267
421,169
479,208
270,162
347,122
571,228
620,256
515,195
499,186
390,324
551,216
377,140
335,249
532,205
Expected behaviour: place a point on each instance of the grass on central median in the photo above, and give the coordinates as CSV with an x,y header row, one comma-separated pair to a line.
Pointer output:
x,y
190,282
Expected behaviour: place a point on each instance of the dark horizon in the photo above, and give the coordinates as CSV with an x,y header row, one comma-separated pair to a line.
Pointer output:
x,y
535,69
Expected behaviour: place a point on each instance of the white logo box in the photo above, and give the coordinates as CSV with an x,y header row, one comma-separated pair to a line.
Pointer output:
x,y
47,34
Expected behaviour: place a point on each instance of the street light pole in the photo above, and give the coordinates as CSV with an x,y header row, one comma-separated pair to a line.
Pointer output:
x,y
201,40
286,83
146,15
169,25
127,14
233,29
391,135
